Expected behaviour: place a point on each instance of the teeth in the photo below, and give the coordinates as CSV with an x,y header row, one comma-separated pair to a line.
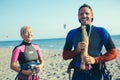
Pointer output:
x,y
84,20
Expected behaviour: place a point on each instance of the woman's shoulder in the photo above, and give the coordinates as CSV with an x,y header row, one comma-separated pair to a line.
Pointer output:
x,y
36,46
19,47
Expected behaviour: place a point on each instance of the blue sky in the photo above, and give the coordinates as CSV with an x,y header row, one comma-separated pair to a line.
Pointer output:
x,y
47,17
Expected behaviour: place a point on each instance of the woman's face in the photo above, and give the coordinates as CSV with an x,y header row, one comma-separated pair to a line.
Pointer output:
x,y
85,16
27,35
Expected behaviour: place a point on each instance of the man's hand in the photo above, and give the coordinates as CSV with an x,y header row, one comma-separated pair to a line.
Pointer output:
x,y
89,59
81,46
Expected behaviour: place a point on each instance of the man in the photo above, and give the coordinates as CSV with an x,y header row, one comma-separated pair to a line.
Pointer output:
x,y
98,37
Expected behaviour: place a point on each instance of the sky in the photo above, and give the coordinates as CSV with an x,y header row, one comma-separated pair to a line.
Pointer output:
x,y
48,17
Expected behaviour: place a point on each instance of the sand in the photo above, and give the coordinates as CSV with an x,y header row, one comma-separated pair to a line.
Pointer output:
x,y
54,68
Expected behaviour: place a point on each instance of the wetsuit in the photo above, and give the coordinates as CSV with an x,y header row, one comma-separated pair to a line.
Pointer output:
x,y
26,53
98,37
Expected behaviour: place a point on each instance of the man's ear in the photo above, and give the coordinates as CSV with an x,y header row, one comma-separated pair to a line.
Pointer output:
x,y
92,20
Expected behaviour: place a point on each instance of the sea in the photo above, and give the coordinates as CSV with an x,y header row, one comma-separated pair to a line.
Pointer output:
x,y
51,44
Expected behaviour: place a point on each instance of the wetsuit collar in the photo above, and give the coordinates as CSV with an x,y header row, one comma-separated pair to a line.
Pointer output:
x,y
26,43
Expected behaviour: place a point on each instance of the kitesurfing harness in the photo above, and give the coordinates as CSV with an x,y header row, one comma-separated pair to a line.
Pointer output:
x,y
27,59
27,66
102,67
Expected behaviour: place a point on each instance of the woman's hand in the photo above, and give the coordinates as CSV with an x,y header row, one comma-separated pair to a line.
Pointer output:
x,y
27,72
37,68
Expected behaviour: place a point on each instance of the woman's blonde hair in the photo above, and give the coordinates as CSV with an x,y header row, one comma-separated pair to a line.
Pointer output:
x,y
24,28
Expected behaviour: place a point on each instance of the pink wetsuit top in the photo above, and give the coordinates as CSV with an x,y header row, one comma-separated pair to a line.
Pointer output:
x,y
20,49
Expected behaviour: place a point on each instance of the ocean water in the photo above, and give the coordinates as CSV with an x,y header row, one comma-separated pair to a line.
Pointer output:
x,y
47,44
52,44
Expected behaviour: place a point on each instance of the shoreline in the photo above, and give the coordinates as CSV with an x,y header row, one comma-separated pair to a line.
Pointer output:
x,y
54,68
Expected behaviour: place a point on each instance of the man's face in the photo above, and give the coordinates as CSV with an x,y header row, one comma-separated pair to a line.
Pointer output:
x,y
85,16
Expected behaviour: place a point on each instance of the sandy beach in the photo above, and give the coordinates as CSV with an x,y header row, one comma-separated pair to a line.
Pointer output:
x,y
54,68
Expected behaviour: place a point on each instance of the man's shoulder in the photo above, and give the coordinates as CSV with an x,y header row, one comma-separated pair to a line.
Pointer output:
x,y
100,29
73,30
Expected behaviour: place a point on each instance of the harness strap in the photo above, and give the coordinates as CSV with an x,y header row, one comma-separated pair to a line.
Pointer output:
x,y
27,66
18,74
106,73
69,69
102,69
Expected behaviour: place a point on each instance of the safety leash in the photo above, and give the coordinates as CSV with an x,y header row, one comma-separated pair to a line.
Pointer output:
x,y
18,74
107,75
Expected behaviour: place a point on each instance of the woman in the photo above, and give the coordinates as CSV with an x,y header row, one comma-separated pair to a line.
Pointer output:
x,y
28,55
